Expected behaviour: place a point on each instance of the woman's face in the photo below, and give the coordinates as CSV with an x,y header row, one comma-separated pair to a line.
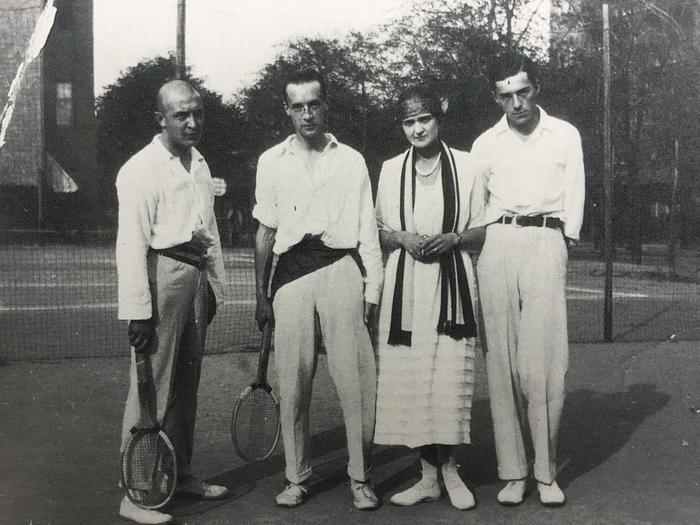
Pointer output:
x,y
421,130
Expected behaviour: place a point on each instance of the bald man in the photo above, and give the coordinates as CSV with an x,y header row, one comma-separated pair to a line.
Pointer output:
x,y
170,272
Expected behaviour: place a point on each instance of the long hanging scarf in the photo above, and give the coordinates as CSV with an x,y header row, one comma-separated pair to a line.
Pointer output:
x,y
456,317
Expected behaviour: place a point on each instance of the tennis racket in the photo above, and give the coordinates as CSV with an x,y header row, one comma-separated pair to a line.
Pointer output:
x,y
255,424
149,464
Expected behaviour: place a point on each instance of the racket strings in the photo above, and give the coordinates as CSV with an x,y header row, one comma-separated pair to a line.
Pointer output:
x,y
256,425
148,468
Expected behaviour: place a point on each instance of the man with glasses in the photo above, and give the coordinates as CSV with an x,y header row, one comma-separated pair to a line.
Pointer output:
x,y
532,177
314,208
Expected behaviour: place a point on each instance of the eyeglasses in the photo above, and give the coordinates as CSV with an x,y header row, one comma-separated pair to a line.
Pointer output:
x,y
311,108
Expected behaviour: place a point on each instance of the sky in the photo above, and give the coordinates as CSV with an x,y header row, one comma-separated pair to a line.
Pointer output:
x,y
227,41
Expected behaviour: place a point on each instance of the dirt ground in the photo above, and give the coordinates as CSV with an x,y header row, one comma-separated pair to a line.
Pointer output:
x,y
629,449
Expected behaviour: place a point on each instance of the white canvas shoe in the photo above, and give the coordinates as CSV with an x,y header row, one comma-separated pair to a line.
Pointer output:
x,y
424,490
460,495
132,512
551,495
513,493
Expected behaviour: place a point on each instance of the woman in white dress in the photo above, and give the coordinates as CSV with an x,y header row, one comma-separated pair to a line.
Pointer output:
x,y
427,328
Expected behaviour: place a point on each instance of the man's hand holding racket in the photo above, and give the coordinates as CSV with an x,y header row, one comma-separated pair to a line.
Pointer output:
x,y
141,334
264,314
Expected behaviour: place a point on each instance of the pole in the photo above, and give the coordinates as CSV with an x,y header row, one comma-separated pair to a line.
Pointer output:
x,y
180,44
607,183
673,213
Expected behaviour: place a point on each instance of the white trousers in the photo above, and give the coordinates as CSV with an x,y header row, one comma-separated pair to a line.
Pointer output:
x,y
179,293
336,293
522,286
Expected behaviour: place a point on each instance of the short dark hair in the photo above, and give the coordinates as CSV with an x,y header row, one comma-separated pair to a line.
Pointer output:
x,y
425,92
509,63
304,76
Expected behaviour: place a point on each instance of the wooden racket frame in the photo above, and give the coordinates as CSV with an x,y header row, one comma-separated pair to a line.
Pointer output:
x,y
149,424
260,382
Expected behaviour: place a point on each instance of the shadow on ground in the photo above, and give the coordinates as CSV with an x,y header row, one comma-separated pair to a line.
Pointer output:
x,y
595,426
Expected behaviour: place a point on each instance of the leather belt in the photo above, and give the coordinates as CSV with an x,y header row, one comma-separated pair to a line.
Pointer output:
x,y
186,253
537,221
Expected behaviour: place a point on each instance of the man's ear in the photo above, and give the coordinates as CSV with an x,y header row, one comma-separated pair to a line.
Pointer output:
x,y
158,117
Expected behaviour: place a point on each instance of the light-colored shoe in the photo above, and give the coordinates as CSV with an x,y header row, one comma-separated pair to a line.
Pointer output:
x,y
424,490
551,495
363,496
132,512
513,493
195,487
293,495
460,496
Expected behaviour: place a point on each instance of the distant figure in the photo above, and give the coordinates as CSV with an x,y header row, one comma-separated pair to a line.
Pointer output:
x,y
170,272
427,323
533,181
314,206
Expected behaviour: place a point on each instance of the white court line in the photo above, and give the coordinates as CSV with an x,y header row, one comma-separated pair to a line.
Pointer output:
x,y
595,291
95,285
91,306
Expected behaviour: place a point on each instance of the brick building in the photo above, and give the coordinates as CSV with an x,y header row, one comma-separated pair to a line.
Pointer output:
x,y
53,127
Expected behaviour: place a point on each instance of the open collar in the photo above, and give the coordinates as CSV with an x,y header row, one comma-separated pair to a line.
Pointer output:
x,y
546,123
287,145
163,152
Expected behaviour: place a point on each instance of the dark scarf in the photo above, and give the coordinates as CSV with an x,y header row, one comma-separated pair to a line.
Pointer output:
x,y
455,297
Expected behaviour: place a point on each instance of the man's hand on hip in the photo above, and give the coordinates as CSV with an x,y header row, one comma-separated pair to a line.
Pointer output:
x,y
141,334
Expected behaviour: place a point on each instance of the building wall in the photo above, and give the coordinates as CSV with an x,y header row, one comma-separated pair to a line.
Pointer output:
x,y
21,158
68,59
26,198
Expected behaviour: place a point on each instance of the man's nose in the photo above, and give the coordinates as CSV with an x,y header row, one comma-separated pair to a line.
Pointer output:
x,y
516,101
191,121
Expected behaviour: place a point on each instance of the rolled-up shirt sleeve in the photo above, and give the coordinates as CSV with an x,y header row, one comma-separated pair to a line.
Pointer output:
x,y
265,209
137,205
477,210
575,182
368,245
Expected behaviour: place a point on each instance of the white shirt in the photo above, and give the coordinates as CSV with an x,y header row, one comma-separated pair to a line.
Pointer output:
x,y
334,201
162,205
538,174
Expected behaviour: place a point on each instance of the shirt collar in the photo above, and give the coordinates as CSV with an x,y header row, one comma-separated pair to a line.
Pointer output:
x,y
546,122
288,148
163,151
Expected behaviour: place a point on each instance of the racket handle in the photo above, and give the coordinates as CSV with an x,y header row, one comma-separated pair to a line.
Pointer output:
x,y
142,367
264,353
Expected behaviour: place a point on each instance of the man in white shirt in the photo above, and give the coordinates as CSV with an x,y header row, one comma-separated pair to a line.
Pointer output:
x,y
533,181
314,206
170,272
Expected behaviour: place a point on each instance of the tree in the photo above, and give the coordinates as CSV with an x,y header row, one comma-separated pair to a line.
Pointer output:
x,y
126,123
654,94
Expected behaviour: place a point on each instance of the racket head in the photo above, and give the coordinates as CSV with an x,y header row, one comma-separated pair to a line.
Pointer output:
x,y
149,468
255,423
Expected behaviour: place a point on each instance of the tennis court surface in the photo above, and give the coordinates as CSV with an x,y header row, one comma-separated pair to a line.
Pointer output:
x,y
629,448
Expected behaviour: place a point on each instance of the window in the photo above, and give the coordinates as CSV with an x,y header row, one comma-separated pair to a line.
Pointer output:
x,y
64,104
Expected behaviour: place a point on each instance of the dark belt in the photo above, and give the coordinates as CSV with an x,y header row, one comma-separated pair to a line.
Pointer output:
x,y
186,253
534,220
309,255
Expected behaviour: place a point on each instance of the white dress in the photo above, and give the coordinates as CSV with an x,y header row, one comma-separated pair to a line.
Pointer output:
x,y
424,391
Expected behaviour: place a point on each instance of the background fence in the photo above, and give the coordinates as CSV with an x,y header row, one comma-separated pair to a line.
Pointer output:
x,y
58,298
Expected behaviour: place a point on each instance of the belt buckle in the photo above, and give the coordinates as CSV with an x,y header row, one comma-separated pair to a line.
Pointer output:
x,y
514,221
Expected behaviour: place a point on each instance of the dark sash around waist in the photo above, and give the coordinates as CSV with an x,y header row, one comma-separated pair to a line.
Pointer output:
x,y
187,253
309,255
